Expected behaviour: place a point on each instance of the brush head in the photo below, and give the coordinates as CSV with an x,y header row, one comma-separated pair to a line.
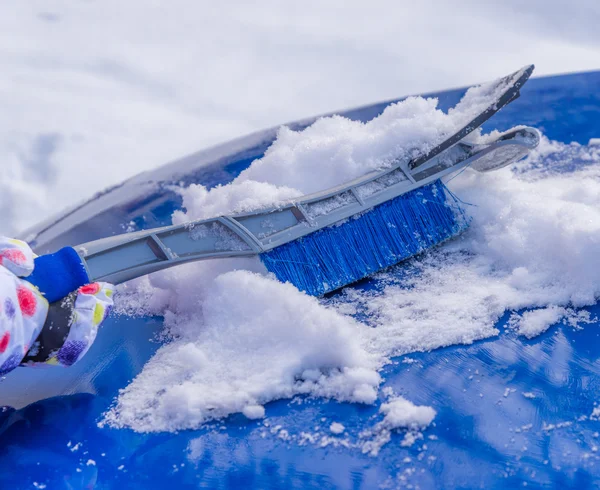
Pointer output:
x,y
367,243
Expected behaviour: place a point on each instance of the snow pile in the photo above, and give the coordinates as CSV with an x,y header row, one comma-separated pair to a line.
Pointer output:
x,y
330,151
533,243
241,195
240,339
337,149
334,150
532,323
257,341
542,228
399,414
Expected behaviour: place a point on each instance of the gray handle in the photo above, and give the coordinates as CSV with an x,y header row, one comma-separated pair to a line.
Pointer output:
x,y
120,258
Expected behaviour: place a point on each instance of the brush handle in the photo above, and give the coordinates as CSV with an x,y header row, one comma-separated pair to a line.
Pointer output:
x,y
513,83
58,274
120,258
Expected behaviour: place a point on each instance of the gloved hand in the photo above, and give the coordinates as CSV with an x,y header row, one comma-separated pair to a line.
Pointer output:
x,y
34,332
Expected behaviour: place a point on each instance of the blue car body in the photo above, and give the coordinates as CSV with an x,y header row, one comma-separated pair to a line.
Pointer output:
x,y
49,433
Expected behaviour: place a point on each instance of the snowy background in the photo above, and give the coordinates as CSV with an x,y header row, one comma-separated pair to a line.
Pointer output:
x,y
93,92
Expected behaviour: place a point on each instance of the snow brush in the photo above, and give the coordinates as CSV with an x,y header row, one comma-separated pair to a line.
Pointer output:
x,y
319,242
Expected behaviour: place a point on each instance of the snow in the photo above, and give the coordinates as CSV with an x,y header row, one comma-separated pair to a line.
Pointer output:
x,y
514,256
244,195
253,412
239,339
401,413
100,91
532,323
477,98
256,341
337,150
336,428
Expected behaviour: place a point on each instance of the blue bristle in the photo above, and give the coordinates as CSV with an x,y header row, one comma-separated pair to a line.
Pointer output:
x,y
385,235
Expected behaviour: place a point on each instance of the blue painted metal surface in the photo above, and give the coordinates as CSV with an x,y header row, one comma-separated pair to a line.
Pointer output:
x,y
484,439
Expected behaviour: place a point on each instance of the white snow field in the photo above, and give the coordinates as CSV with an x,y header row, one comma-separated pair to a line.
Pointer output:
x,y
94,92
239,339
